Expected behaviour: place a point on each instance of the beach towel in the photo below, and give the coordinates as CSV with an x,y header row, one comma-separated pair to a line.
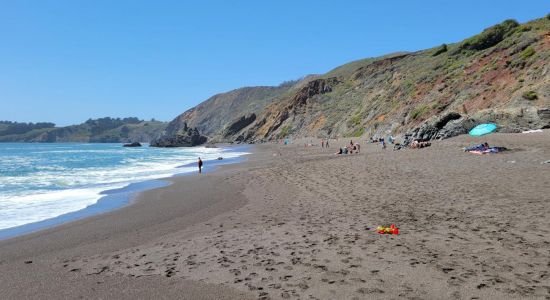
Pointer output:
x,y
479,147
489,150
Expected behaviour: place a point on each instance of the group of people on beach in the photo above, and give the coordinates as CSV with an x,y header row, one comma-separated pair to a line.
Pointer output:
x,y
416,144
350,148
382,141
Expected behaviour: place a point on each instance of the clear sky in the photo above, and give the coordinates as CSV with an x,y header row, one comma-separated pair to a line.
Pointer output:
x,y
67,61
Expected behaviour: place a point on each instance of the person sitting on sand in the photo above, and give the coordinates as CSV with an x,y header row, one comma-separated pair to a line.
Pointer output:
x,y
352,148
416,144
480,147
340,151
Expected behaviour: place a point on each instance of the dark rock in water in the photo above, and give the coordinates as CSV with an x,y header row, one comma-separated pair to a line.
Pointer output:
x,y
185,137
239,124
134,144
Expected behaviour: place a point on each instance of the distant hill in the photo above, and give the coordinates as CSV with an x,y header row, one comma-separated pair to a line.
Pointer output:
x,y
214,115
102,130
501,75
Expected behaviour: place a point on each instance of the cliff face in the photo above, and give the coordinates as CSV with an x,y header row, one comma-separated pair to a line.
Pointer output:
x,y
501,75
215,115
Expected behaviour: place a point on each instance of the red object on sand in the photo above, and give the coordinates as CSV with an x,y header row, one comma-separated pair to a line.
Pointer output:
x,y
388,230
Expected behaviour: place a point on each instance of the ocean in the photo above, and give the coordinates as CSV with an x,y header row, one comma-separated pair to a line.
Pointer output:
x,y
43,181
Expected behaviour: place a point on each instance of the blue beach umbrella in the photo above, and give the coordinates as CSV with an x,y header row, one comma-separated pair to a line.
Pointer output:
x,y
483,129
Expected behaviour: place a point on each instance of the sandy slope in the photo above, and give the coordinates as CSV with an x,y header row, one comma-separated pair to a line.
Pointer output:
x,y
301,225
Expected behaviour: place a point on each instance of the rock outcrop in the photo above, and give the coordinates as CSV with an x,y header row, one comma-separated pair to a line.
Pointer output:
x,y
184,137
440,127
134,144
238,125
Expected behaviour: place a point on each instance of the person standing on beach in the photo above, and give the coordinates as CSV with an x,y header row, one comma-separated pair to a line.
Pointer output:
x,y
200,165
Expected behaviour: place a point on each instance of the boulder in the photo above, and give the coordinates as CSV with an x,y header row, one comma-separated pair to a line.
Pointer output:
x,y
441,127
134,144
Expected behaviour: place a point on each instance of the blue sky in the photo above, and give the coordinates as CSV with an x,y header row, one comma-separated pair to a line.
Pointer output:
x,y
67,61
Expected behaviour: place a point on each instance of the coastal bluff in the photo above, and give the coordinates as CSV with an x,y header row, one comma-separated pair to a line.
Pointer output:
x,y
500,75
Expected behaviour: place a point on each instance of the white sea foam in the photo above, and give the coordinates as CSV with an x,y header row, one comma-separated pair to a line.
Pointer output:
x,y
50,190
19,210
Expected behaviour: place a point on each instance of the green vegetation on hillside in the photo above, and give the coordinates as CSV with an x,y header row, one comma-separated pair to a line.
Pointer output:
x,y
8,127
528,52
490,36
530,95
102,130
440,49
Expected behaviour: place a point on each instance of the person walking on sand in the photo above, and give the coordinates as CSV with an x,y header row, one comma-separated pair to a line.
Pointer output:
x,y
326,144
200,165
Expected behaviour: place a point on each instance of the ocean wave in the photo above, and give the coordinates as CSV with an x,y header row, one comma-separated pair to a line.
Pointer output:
x,y
19,210
42,186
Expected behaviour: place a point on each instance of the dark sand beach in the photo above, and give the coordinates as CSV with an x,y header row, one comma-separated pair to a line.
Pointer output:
x,y
299,223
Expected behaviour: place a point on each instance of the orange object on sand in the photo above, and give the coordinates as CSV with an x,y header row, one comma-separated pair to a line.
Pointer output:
x,y
388,230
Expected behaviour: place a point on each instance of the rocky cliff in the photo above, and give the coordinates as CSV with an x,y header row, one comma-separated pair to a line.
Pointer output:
x,y
501,75
218,116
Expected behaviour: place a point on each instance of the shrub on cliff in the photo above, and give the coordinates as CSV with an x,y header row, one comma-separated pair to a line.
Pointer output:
x,y
490,36
528,52
440,49
419,111
284,132
530,95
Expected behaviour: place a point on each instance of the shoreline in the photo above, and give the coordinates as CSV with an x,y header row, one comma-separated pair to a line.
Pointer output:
x,y
113,199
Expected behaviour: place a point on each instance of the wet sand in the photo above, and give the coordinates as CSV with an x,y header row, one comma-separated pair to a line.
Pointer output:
x,y
299,223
